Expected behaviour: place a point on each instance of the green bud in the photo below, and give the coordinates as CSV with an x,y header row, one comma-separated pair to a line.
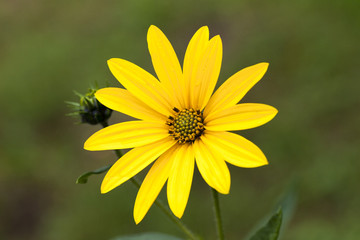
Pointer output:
x,y
89,109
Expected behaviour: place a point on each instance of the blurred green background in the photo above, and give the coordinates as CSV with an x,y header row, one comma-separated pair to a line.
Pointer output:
x,y
50,48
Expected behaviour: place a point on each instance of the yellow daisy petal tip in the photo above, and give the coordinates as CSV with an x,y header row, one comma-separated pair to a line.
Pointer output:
x,y
177,209
264,162
112,61
273,111
152,32
178,212
224,191
203,28
264,65
216,38
88,145
105,187
103,191
100,92
153,28
138,218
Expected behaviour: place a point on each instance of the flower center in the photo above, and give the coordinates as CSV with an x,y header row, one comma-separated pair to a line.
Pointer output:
x,y
186,125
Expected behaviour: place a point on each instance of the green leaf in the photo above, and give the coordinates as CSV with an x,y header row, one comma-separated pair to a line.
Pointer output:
x,y
84,177
147,236
271,230
287,202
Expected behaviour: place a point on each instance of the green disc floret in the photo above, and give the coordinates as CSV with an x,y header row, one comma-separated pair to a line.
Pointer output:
x,y
186,125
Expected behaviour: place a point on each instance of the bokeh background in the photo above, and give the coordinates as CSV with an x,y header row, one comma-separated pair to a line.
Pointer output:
x,y
50,48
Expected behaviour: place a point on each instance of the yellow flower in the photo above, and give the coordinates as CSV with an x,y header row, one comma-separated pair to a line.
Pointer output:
x,y
180,121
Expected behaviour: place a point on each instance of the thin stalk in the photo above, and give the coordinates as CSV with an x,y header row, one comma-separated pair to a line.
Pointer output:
x,y
175,220
159,203
219,226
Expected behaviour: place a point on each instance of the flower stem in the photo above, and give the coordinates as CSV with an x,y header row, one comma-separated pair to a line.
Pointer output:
x,y
175,220
159,203
219,227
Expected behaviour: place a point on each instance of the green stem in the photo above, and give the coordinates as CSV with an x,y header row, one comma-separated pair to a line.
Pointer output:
x,y
159,203
175,220
219,226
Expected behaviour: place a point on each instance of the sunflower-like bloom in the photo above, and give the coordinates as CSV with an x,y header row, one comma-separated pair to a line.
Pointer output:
x,y
180,121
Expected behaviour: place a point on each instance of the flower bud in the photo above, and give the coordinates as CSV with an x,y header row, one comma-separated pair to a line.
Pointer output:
x,y
89,109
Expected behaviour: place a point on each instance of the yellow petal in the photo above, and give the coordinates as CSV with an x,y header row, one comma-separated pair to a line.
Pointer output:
x,y
212,167
141,84
152,184
133,162
166,64
123,101
207,73
240,117
180,179
194,52
235,88
126,135
235,149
